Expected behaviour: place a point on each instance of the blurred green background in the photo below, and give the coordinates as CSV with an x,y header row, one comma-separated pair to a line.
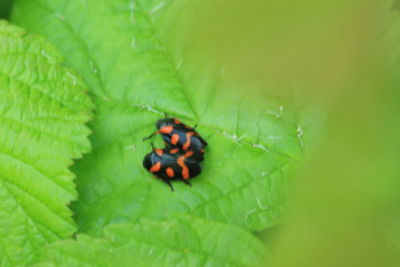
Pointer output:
x,y
345,56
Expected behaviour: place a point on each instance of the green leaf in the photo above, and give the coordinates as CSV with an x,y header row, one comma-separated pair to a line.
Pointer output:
x,y
179,241
137,67
43,110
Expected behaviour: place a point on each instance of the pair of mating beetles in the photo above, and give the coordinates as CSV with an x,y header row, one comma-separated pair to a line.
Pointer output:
x,y
181,158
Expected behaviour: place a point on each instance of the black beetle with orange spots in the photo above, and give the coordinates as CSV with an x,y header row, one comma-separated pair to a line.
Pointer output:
x,y
181,158
178,135
170,164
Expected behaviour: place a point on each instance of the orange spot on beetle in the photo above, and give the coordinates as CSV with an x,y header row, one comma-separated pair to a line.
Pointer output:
x,y
202,150
187,143
174,151
156,167
166,129
176,121
174,139
188,154
159,151
185,169
170,172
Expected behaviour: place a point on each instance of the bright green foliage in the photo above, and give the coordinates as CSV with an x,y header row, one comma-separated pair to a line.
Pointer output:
x,y
130,54
43,110
179,241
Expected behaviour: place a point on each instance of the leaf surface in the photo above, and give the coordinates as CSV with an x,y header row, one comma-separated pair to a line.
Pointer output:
x,y
43,110
180,241
138,68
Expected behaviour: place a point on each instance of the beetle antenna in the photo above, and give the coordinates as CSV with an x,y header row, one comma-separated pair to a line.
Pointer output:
x,y
187,182
148,137
168,182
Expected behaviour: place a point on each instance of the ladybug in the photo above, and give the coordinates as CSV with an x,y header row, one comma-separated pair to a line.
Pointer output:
x,y
170,164
178,135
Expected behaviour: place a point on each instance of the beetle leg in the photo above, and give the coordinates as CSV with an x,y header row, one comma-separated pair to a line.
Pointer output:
x,y
187,182
168,182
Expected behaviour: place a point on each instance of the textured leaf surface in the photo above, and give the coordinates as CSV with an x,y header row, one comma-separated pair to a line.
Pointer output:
x,y
179,241
43,109
138,69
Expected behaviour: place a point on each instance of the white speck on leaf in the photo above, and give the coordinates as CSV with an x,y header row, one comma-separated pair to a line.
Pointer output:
x,y
132,5
248,213
179,63
73,78
274,113
300,134
157,7
149,108
48,57
92,67
131,148
260,147
280,111
133,42
222,70
234,137
261,205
